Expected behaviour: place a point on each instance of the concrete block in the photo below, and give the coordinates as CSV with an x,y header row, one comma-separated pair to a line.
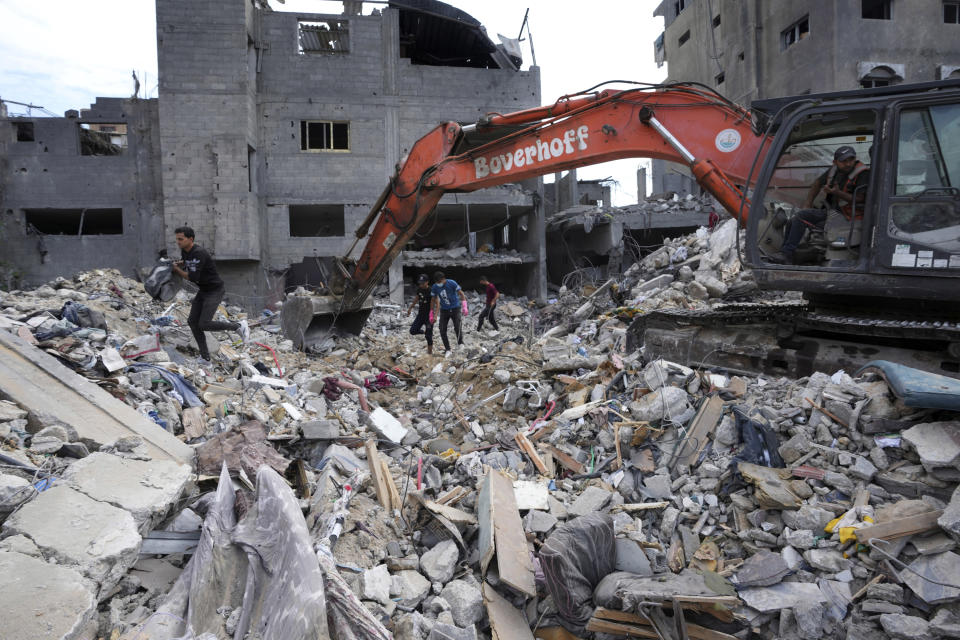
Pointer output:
x,y
41,600
593,499
97,539
146,489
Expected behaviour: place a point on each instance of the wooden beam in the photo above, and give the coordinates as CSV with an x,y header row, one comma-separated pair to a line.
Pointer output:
x,y
376,475
630,621
900,527
527,448
703,424
566,460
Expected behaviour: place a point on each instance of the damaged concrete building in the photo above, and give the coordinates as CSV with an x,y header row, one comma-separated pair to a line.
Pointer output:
x,y
750,50
273,134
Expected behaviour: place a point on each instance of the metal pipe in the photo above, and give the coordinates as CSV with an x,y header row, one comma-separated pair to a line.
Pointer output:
x,y
671,139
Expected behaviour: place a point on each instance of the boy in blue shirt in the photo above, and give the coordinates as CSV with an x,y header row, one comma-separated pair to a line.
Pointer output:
x,y
448,301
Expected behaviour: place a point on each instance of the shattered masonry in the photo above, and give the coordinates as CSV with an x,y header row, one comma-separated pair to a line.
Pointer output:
x,y
546,478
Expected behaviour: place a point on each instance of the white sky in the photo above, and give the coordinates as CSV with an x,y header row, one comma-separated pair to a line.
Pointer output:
x,y
62,54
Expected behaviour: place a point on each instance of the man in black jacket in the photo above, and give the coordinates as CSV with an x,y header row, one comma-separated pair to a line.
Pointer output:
x,y
198,267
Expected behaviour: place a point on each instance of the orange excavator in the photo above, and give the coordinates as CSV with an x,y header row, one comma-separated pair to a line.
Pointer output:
x,y
887,269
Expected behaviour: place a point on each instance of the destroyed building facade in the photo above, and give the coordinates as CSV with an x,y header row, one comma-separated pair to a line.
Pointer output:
x,y
272,136
753,50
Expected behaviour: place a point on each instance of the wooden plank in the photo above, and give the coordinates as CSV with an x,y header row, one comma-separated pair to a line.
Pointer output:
x,y
695,631
639,506
376,475
453,496
513,556
485,538
395,501
703,424
618,628
566,460
527,448
553,633
506,622
900,527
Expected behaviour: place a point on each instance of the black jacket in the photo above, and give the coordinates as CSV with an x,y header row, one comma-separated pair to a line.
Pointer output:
x,y
201,269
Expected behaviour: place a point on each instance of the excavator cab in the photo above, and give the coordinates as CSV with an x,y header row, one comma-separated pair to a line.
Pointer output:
x,y
893,252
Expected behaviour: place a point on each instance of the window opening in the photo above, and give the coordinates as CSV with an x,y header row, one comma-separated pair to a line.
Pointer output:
x,y
875,9
928,166
24,131
679,6
683,39
716,21
794,33
879,77
720,78
324,135
316,220
100,139
326,36
951,12
793,202
76,222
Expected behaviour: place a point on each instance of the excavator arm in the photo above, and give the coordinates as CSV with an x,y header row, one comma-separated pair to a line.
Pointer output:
x,y
681,123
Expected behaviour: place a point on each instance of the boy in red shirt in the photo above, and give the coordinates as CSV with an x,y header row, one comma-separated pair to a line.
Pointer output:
x,y
492,296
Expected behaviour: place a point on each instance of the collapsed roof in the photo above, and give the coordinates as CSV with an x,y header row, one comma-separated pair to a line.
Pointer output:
x,y
435,33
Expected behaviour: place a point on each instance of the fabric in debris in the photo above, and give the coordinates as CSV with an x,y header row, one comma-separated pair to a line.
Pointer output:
x,y
175,380
58,329
82,315
243,447
760,442
331,389
574,559
382,381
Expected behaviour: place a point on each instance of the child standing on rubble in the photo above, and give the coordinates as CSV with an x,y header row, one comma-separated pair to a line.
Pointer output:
x,y
490,305
445,294
423,323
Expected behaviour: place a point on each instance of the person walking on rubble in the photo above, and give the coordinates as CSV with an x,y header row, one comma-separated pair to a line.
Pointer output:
x,y
490,305
197,266
423,323
448,302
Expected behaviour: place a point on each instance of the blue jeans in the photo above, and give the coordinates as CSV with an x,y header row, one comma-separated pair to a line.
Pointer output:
x,y
798,224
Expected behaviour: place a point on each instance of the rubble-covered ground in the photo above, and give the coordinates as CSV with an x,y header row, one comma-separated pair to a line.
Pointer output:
x,y
538,479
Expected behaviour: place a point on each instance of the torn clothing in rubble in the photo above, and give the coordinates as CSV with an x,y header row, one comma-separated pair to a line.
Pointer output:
x,y
179,384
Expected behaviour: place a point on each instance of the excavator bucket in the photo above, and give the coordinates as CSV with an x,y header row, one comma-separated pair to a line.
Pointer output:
x,y
307,320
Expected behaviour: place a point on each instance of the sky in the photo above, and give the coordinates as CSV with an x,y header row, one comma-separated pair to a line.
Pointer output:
x,y
60,54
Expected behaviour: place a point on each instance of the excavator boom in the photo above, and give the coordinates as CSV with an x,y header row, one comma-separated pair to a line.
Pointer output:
x,y
681,123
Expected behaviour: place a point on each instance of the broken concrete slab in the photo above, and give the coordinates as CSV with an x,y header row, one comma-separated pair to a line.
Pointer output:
x,y
591,500
98,539
147,489
36,381
943,567
781,596
440,562
762,569
772,489
466,602
935,443
949,520
42,600
903,627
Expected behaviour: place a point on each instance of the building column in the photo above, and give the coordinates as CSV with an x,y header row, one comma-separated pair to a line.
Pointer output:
x,y
395,280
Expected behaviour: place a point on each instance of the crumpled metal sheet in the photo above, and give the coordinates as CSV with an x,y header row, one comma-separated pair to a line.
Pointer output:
x,y
918,389
244,447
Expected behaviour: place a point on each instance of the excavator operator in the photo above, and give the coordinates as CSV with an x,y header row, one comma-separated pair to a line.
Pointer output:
x,y
834,189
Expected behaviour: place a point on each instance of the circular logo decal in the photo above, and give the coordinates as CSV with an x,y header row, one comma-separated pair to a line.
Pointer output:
x,y
727,140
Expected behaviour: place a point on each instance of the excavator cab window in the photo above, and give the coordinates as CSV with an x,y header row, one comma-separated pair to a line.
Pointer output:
x,y
801,224
925,204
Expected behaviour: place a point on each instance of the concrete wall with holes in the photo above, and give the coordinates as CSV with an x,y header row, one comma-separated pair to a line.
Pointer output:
x,y
49,172
219,150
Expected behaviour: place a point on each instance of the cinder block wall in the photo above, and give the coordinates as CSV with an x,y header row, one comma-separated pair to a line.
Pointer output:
x,y
50,173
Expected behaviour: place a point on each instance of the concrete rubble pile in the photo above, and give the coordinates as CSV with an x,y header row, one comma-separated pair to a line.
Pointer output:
x,y
538,480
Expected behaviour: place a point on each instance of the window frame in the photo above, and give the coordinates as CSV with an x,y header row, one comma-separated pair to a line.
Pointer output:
x,y
684,37
885,6
299,214
343,37
305,137
955,5
794,31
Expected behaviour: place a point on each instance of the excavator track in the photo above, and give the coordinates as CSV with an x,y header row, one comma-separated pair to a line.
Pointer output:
x,y
791,338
